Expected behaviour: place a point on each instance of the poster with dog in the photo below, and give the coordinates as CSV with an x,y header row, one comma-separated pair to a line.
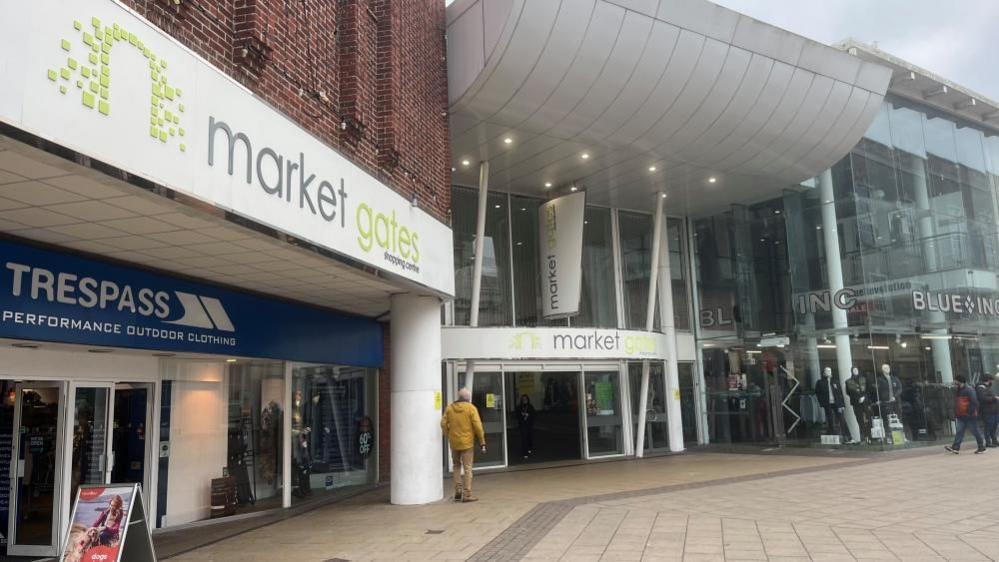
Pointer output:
x,y
99,523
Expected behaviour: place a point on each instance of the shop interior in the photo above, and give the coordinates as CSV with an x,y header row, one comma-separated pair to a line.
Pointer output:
x,y
540,414
543,417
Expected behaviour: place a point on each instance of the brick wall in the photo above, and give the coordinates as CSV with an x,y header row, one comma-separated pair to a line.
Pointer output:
x,y
368,77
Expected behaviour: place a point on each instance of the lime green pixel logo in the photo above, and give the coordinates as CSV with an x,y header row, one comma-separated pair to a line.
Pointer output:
x,y
521,340
91,76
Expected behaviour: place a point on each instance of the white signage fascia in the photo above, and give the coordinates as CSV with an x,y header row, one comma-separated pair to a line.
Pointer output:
x,y
561,254
462,342
165,114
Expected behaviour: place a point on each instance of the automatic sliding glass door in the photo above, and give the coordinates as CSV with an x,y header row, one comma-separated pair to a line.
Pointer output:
x,y
487,396
35,478
604,420
90,415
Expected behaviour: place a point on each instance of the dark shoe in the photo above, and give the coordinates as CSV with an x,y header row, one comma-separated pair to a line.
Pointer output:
x,y
457,495
980,450
950,449
469,499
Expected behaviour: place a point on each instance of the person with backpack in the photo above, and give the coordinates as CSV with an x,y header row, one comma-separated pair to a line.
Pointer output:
x,y
462,426
989,404
966,412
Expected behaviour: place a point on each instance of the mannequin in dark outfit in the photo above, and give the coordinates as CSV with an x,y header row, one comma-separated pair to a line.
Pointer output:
x,y
857,389
830,396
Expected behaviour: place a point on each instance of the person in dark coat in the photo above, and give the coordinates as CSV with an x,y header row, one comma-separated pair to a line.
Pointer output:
x,y
966,412
830,396
988,403
525,423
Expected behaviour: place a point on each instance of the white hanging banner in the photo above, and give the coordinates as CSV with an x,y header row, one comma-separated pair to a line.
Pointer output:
x,y
561,253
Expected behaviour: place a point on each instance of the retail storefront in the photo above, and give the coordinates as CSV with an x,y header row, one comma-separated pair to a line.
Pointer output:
x,y
556,394
217,402
578,376
880,272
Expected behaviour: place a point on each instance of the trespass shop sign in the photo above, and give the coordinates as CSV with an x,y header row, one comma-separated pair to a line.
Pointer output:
x,y
55,297
561,252
93,76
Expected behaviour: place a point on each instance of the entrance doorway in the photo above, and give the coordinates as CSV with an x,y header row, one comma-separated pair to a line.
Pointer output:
x,y
34,492
67,435
546,428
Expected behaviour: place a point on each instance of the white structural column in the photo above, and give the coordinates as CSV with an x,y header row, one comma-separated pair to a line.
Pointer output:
x,y
674,414
650,311
834,271
927,235
417,474
480,243
700,394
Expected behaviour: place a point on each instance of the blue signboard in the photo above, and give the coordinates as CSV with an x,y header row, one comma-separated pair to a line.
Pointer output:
x,y
51,296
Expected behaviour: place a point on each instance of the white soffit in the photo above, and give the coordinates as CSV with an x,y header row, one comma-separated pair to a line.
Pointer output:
x,y
692,89
51,200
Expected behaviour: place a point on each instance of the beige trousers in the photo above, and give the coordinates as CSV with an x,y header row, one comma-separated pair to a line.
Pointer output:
x,y
462,461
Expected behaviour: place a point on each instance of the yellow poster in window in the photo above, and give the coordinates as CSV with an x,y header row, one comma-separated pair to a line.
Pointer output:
x,y
525,383
490,400
437,400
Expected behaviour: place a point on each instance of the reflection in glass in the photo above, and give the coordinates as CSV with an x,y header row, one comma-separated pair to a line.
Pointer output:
x,y
494,303
89,437
636,264
487,396
656,424
332,428
256,398
223,422
597,304
603,413
678,273
526,281
35,502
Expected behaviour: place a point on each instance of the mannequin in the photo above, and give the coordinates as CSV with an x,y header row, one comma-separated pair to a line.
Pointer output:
x,y
857,390
889,389
830,396
300,448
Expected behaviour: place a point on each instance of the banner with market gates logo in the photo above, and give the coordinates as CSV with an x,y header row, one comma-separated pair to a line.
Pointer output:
x,y
51,296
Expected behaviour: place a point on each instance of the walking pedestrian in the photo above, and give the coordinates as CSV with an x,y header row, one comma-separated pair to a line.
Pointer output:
x,y
966,412
989,404
462,426
525,424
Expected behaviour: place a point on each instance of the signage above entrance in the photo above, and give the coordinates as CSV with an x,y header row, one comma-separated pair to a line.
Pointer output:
x,y
551,343
561,253
50,296
94,77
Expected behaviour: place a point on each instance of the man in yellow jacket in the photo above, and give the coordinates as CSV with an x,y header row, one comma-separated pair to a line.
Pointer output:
x,y
462,426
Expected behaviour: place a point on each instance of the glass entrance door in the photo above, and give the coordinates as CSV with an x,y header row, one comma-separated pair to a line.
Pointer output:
x,y
90,417
656,422
33,525
604,420
487,396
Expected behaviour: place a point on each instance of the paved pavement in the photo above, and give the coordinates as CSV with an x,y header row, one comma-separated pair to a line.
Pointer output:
x,y
699,506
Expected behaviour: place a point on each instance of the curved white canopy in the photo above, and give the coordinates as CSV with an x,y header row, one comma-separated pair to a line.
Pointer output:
x,y
597,93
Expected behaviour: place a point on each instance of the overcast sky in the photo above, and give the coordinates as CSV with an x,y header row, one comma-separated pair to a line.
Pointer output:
x,y
956,39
